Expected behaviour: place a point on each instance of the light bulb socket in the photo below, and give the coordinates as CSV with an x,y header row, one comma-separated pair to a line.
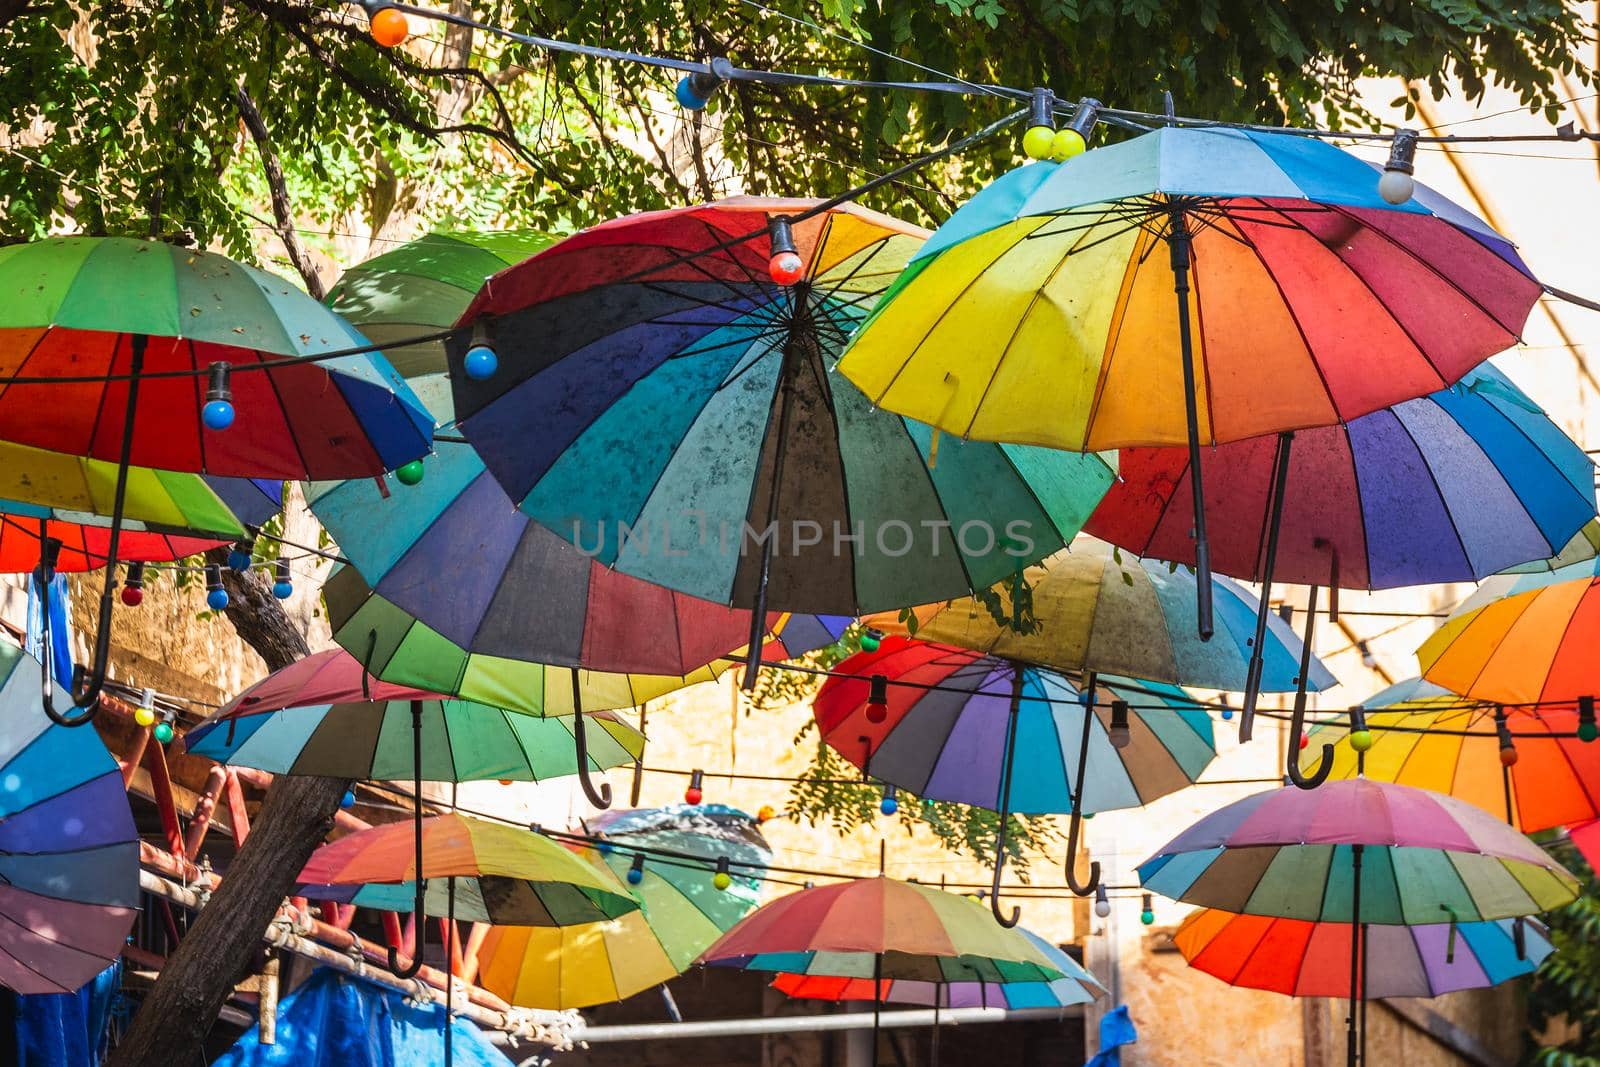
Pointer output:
x,y
49,557
722,879
878,689
1403,152
1118,733
636,868
780,234
1085,116
1358,718
1042,108
134,579
280,570
218,385
891,800
213,577
696,791
1147,913
1102,903
1586,719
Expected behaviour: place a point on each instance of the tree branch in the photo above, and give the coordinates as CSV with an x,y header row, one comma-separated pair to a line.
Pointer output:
x,y
281,213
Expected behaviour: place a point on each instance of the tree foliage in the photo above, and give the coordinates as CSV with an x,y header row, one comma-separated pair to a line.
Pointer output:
x,y
1566,987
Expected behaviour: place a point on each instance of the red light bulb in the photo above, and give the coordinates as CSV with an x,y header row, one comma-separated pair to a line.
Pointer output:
x,y
877,713
132,595
786,268
692,795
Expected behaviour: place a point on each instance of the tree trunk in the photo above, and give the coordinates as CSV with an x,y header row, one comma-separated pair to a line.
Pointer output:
x,y
180,1009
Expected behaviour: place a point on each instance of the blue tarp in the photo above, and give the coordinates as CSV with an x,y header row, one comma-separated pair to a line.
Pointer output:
x,y
58,1029
334,1020
1116,1030
60,633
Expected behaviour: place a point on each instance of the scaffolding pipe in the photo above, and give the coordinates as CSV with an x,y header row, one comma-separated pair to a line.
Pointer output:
x,y
783,1024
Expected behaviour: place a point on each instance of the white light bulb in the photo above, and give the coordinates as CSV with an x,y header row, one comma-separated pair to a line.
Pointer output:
x,y
1396,186
1102,907
1119,735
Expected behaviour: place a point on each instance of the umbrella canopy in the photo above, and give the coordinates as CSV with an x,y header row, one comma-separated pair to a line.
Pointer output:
x,y
1097,609
1311,959
69,851
666,405
1534,647
1436,740
1447,488
462,741
1522,580
502,874
423,286
74,307
1043,310
1583,545
681,912
1077,986
85,539
881,928
1424,858
948,743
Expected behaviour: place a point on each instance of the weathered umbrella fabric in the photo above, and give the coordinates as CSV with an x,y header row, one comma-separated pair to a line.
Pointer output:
x,y
1311,959
85,539
1076,986
1426,858
1450,487
655,385
1042,311
1532,648
949,742
1433,739
681,912
1094,608
502,874
881,928
423,286
317,720
71,307
69,851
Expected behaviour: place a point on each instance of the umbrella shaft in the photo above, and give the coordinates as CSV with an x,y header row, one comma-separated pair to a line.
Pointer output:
x,y
758,613
1179,240
1357,993
1280,482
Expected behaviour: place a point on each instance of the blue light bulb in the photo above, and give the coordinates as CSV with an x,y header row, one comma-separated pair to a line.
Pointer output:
x,y
687,97
348,801
635,876
217,414
238,560
283,590
480,363
217,599
888,805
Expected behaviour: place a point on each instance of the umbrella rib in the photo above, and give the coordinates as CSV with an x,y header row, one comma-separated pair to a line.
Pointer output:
x,y
272,380
663,289
1516,427
1444,501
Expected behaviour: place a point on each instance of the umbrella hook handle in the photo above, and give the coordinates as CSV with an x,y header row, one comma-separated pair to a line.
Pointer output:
x,y
1075,827
580,739
1297,723
1007,921
43,577
87,697
421,923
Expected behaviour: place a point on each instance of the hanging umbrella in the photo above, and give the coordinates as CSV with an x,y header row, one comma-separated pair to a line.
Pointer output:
x,y
1312,959
1530,648
1093,608
103,344
1077,986
340,733
501,874
881,930
1447,488
422,287
82,542
1529,766
1358,852
1514,581
253,500
69,852
664,400
1581,547
1065,291
955,725
669,857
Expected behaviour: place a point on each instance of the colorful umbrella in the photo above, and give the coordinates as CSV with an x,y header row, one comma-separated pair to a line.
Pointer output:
x,y
1065,289
669,857
344,736
664,400
69,851
422,287
1530,648
1447,488
1529,766
82,542
1093,608
1077,986
1311,959
1584,545
502,874
103,344
1358,852
951,724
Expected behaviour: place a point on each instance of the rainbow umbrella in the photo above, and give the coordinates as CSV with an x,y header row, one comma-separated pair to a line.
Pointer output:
x,y
1531,648
1312,959
104,342
1450,487
881,930
669,857
421,288
1094,608
1054,308
1530,766
1582,546
1076,986
71,541
664,400
69,851
1358,852
310,723
955,725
